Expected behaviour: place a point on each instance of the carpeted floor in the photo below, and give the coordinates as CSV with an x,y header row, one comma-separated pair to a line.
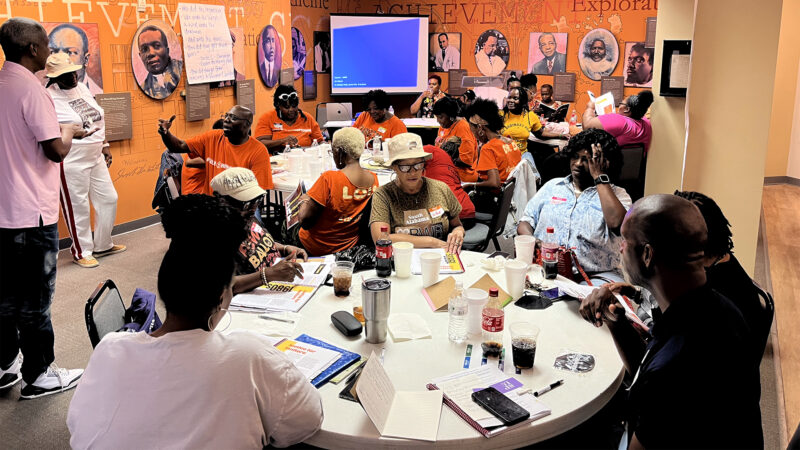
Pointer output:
x,y
41,423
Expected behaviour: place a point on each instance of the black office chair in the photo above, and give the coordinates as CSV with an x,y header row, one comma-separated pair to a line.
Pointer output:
x,y
105,311
634,167
478,237
765,322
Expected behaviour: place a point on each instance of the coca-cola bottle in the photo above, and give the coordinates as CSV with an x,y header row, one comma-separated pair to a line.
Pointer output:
x,y
383,254
492,318
550,254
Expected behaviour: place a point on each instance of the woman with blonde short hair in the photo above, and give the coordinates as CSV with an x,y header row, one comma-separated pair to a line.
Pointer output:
x,y
331,212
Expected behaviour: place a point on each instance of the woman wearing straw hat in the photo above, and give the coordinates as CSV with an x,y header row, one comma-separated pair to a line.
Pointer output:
x,y
416,209
85,169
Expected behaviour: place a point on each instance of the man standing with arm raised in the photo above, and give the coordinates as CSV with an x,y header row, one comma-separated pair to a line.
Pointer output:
x,y
230,147
31,147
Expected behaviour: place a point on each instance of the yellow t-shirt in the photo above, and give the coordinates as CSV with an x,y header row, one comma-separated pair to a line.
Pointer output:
x,y
519,127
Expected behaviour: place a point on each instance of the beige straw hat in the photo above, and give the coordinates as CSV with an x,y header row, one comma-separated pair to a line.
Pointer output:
x,y
237,182
406,146
58,64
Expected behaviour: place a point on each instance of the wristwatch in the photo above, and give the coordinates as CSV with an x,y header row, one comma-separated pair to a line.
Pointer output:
x,y
602,179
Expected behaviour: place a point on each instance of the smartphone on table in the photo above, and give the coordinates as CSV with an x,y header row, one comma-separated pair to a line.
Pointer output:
x,y
502,407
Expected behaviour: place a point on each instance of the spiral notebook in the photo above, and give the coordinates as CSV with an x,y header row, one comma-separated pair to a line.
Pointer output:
x,y
457,392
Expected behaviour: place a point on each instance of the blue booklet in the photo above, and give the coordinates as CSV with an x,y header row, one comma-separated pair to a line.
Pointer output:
x,y
340,364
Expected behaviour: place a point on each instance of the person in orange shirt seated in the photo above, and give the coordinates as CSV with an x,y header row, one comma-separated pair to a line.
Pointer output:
x,y
193,175
286,124
331,213
498,154
220,149
376,119
455,137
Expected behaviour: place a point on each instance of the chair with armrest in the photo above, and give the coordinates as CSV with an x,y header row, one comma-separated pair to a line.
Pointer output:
x,y
478,237
104,312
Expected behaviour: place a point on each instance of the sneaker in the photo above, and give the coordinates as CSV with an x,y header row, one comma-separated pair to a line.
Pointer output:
x,y
119,248
10,375
52,381
87,262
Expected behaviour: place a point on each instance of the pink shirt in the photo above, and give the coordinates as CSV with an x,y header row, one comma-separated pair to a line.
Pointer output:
x,y
627,130
28,180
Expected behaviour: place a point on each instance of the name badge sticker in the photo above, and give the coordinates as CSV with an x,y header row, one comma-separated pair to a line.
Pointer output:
x,y
278,126
437,211
381,130
557,200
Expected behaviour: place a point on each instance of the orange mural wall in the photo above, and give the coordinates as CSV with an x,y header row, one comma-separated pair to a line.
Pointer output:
x,y
136,161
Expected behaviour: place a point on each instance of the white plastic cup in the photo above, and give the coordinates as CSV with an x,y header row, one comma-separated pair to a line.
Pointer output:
x,y
430,263
515,277
523,246
315,168
307,160
476,299
295,163
402,252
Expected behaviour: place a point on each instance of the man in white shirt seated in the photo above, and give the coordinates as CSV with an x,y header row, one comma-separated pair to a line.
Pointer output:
x,y
186,385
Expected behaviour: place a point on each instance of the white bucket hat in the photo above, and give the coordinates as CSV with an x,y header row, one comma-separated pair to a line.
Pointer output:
x,y
237,182
406,146
58,64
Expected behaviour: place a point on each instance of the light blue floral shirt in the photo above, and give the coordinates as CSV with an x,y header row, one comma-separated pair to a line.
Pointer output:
x,y
577,221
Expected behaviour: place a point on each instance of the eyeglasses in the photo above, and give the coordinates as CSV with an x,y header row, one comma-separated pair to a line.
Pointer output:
x,y
405,168
289,98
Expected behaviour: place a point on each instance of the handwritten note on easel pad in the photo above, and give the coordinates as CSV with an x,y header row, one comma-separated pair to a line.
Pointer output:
x,y
207,44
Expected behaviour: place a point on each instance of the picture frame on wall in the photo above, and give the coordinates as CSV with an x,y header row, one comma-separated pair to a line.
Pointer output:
x,y
445,52
675,60
547,53
492,53
157,70
638,65
81,41
309,85
598,54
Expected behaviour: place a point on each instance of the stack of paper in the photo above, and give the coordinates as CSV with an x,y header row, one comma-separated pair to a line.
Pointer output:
x,y
281,296
451,263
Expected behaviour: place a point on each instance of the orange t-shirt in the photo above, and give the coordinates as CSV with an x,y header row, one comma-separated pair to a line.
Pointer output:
x,y
220,154
499,155
337,227
192,179
467,152
387,128
305,129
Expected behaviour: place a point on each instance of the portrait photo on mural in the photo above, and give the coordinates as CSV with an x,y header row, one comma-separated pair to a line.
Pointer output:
x,y
81,42
598,53
547,53
157,59
491,53
322,52
237,46
269,55
638,65
298,53
445,52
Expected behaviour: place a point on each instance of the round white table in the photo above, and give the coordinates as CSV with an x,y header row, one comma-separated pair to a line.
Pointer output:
x,y
411,365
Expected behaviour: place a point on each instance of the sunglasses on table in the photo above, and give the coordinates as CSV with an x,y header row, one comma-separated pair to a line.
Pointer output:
x,y
405,168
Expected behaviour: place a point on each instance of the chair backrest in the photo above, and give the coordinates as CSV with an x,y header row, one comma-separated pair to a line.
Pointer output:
x,y
333,111
506,194
632,175
105,311
768,313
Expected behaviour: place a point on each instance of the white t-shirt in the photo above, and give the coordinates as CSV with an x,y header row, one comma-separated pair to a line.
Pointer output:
x,y
77,105
191,389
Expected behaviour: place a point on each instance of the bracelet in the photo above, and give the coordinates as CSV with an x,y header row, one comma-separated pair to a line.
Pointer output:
x,y
264,276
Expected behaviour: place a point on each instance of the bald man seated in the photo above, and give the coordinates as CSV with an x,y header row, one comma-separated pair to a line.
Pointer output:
x,y
694,384
232,146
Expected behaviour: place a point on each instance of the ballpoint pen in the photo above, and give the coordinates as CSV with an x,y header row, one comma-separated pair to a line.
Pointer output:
x,y
277,319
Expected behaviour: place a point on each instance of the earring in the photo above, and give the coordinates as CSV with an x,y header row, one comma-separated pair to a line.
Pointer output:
x,y
211,327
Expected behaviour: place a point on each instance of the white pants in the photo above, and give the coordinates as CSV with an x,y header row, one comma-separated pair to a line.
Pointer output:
x,y
84,177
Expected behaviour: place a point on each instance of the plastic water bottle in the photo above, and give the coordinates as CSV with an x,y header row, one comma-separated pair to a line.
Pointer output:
x,y
376,146
492,325
573,119
550,254
457,327
315,143
287,149
391,109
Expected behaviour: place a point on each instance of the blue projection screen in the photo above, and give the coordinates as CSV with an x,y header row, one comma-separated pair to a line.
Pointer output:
x,y
379,52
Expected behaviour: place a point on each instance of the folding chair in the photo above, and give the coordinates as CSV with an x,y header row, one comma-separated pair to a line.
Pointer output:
x,y
765,322
478,237
105,311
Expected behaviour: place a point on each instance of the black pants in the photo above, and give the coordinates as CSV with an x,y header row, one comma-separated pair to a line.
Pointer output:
x,y
28,259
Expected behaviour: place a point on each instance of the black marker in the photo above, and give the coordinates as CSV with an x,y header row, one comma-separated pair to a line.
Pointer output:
x,y
548,388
